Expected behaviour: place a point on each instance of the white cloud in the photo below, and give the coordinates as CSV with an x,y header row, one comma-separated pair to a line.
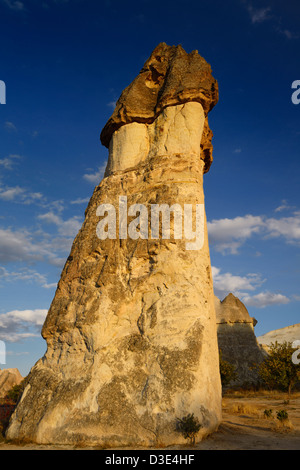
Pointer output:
x,y
25,275
20,195
18,246
10,194
112,104
224,283
24,246
284,206
227,282
9,126
81,200
14,4
264,299
96,176
67,228
287,227
8,162
287,33
21,324
258,15
227,235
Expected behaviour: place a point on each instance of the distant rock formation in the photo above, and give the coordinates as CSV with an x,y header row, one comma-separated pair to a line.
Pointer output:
x,y
237,340
8,379
131,333
288,334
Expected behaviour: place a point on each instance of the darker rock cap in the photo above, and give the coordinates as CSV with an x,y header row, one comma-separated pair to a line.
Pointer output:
x,y
169,77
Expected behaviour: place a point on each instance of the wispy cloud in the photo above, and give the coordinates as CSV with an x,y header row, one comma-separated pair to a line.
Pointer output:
x,y
14,4
227,235
9,126
287,33
67,228
8,162
224,283
112,104
17,325
24,245
227,282
96,176
80,200
265,299
18,245
258,15
283,206
25,275
20,195
286,227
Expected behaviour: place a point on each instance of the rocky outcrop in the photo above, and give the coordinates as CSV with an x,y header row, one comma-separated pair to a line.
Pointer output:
x,y
131,333
8,379
287,334
169,77
237,340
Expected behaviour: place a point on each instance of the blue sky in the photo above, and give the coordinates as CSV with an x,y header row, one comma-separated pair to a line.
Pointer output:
x,y
65,63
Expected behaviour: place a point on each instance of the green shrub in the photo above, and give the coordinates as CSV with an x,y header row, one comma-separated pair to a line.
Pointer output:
x,y
268,413
278,370
15,392
189,426
282,415
227,371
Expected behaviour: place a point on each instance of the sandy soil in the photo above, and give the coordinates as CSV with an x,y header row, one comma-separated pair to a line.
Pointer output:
x,y
243,427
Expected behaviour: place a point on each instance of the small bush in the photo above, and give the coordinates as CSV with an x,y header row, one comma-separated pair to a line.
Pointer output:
x,y
268,413
227,371
282,415
189,426
15,393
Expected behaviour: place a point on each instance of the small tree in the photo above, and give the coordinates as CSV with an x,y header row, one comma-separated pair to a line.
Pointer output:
x,y
188,426
278,370
15,392
227,371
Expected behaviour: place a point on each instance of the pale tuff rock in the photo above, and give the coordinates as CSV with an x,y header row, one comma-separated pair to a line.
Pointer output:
x,y
177,130
131,333
237,340
8,379
289,334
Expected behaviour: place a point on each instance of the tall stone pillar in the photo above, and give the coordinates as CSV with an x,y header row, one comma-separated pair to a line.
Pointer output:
x,y
131,332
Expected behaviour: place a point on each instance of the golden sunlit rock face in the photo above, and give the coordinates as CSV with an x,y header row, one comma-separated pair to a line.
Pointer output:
x,y
131,332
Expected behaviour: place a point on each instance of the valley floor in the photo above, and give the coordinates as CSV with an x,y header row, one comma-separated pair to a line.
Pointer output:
x,y
244,426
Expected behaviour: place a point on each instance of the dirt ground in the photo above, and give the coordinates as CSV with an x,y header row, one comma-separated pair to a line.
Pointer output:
x,y
244,426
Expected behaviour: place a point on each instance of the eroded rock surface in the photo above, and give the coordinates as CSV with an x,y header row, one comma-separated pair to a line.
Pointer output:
x,y
131,333
8,379
237,340
169,77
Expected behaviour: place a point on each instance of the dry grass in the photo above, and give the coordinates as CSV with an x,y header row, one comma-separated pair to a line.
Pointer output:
x,y
243,409
282,426
272,394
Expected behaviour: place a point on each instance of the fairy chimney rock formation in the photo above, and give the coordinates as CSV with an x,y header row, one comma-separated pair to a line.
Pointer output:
x,y
131,332
237,340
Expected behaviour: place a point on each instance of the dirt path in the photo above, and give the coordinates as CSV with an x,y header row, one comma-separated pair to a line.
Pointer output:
x,y
243,427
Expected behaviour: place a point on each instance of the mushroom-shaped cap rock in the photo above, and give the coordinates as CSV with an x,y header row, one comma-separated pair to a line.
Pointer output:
x,y
169,77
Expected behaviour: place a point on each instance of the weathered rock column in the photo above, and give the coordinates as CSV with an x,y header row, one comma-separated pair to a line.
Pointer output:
x,y
131,332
